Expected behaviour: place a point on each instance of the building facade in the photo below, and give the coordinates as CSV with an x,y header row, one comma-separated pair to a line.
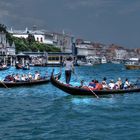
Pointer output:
x,y
60,40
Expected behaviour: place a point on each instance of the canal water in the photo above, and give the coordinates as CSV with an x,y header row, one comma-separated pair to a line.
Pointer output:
x,y
46,113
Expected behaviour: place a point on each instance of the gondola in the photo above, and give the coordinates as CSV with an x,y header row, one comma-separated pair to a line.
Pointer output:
x,y
73,90
18,66
26,68
6,84
132,67
4,68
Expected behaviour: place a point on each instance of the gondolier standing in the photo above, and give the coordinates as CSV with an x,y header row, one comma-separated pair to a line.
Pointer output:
x,y
69,68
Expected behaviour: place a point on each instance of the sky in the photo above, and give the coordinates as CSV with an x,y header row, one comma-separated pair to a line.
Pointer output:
x,y
104,21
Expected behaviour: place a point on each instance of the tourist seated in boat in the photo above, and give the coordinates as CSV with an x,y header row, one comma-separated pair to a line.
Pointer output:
x,y
98,86
37,75
17,78
92,84
111,84
127,84
4,66
119,84
104,85
23,77
30,76
104,80
9,78
26,66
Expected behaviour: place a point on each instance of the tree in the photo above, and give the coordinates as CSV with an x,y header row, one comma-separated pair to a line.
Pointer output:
x,y
30,38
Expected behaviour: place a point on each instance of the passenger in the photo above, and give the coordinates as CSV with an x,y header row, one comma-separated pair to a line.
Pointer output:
x,y
13,77
7,78
30,76
98,85
23,77
37,75
127,84
104,85
104,80
4,65
119,84
92,84
17,77
111,84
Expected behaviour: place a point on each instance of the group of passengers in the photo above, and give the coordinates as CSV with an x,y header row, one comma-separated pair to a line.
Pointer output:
x,y
25,77
94,84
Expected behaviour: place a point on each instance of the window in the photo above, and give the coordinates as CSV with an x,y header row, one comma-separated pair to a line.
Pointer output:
x,y
41,40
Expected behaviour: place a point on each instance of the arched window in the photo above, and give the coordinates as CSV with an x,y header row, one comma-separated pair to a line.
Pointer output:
x,y
41,39
37,39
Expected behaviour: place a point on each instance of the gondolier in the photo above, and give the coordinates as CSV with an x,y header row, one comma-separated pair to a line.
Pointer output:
x,y
69,68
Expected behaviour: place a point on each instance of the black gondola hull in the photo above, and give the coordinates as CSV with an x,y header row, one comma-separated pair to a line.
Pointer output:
x,y
5,84
26,83
82,91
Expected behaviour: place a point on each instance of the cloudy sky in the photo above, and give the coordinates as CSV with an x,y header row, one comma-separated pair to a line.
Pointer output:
x,y
105,21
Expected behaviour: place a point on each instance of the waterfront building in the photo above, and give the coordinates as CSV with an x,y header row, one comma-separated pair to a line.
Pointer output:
x,y
121,54
42,58
7,51
85,49
63,41
39,35
2,43
60,40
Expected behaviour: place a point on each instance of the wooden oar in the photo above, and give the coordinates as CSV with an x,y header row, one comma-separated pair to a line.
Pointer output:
x,y
92,91
87,86
3,84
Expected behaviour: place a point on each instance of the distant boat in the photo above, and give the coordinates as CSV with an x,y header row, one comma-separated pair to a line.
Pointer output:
x,y
4,67
133,64
18,66
115,61
84,63
103,60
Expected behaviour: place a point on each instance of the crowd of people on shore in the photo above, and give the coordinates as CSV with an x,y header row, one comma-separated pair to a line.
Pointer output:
x,y
25,77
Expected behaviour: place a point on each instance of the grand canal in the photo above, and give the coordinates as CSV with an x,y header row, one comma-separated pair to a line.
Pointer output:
x,y
45,112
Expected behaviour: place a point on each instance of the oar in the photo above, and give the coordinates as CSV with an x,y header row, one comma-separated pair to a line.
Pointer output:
x,y
92,91
3,84
87,87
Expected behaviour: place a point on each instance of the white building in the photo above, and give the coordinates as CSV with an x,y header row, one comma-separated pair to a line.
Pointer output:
x,y
60,40
121,54
85,50
40,36
2,43
10,50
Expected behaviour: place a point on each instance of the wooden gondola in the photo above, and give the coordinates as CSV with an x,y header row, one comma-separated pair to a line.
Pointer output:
x,y
26,68
73,90
18,66
4,68
6,84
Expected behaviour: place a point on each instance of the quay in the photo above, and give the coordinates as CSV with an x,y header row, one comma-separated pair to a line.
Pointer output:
x,y
36,58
